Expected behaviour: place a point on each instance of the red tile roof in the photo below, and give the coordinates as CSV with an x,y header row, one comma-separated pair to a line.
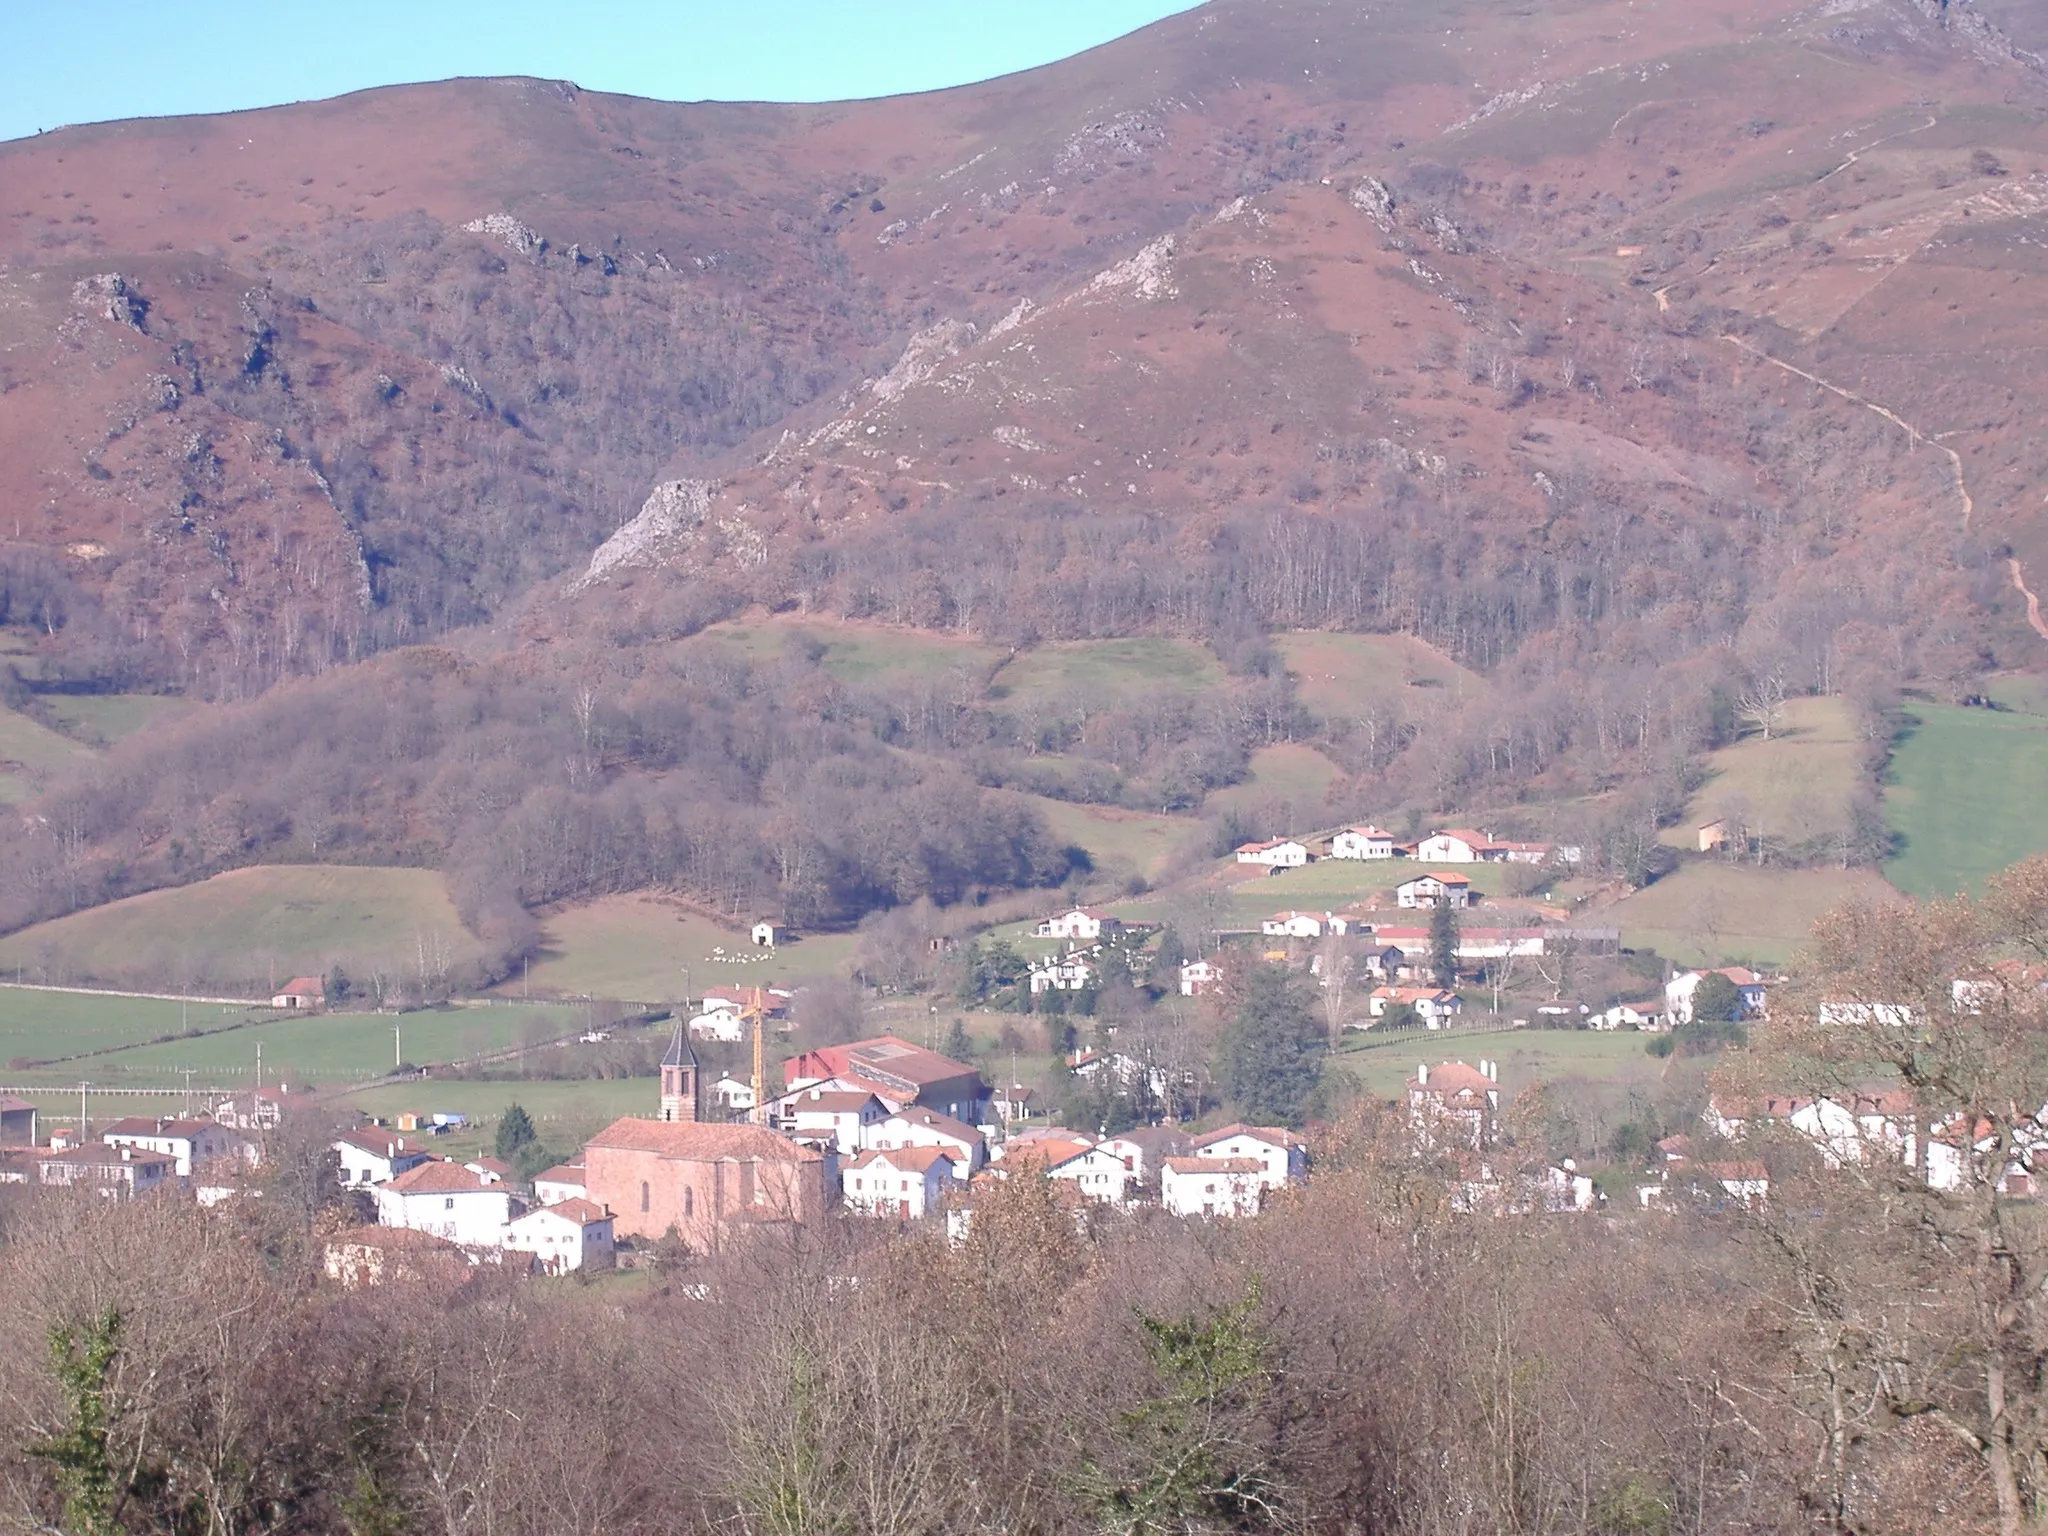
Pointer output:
x,y
1454,1077
142,1125
582,1212
918,1160
1273,1135
696,1141
561,1173
437,1178
1196,1165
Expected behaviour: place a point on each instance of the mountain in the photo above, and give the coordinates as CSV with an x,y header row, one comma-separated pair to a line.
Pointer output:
x,y
1629,352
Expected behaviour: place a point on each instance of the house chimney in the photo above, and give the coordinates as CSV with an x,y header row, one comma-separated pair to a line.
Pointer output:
x,y
1493,1070
1422,1075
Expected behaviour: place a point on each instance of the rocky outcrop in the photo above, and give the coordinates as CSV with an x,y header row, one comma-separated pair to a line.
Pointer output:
x,y
666,523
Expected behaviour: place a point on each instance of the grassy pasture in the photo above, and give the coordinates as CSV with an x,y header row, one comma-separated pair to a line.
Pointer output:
x,y
1335,674
242,931
565,1114
346,1046
1118,839
856,653
1286,775
33,757
1127,670
103,719
636,947
46,1026
1715,913
1964,795
1383,1062
1795,787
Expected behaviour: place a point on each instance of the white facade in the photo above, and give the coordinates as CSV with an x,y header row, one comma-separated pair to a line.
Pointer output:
x,y
964,1145
1079,923
1197,976
764,935
842,1117
732,1095
1453,847
575,1234
1282,1157
1432,1005
1362,843
1302,925
1066,973
1098,1173
907,1182
1678,992
722,1024
476,1217
562,1182
188,1143
1282,854
1434,891
1211,1187
376,1157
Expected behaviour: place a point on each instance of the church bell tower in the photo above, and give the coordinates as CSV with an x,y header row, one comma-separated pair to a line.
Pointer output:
x,y
679,1100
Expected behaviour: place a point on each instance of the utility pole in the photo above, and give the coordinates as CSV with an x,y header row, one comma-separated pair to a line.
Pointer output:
x,y
83,1123
259,1065
397,1046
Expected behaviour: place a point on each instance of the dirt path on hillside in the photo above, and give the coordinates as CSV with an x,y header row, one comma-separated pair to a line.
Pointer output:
x,y
1920,439
2019,583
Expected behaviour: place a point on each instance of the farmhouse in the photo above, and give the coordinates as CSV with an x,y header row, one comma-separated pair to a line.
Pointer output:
x,y
1061,973
919,1127
17,1122
1212,1186
1434,891
1280,1154
304,993
1280,853
189,1143
1080,923
1432,1005
1712,835
1197,976
1454,1105
1456,845
570,1234
562,1182
1144,1150
376,1157
1098,1173
904,1182
1303,925
118,1171
447,1200
703,1180
765,934
1679,990
836,1117
1362,843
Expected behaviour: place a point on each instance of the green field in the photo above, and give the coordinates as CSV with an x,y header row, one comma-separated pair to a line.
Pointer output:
x,y
638,947
1289,776
33,757
860,654
46,1026
565,1114
1116,839
1120,671
1794,788
1382,1063
246,931
1338,675
104,718
1964,796
1708,912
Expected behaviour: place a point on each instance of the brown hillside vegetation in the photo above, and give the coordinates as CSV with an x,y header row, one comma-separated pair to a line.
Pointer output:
x,y
1631,356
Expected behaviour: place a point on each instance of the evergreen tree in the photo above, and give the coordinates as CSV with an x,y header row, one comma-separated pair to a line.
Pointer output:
x,y
515,1130
1716,1000
1271,1050
957,1045
1443,944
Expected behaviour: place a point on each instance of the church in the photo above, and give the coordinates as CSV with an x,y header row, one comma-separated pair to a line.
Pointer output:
x,y
704,1180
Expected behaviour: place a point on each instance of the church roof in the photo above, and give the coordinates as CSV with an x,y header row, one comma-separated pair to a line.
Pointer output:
x,y
699,1141
679,1053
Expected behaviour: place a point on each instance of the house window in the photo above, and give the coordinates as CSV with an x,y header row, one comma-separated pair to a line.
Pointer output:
x,y
644,1195
448,1204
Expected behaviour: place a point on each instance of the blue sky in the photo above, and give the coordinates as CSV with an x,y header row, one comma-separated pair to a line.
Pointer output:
x,y
90,60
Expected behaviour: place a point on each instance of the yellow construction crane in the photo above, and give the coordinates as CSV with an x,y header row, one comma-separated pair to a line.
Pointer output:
x,y
756,1011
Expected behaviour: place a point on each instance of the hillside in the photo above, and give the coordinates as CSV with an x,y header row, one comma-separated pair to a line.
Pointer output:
x,y
1286,409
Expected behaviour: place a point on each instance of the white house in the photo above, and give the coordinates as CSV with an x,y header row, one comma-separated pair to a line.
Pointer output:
x,y
302,994
897,1181
117,1171
447,1200
842,1116
916,1126
1362,843
571,1234
1197,976
1145,1149
765,934
376,1157
1455,1104
1080,923
189,1143
732,1094
1304,925
1499,943
1623,1016
1012,1103
1454,845
1434,891
721,1024
1281,853
564,1181
1280,1154
1678,991
1061,973
1212,1186
1098,1173
1432,1005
